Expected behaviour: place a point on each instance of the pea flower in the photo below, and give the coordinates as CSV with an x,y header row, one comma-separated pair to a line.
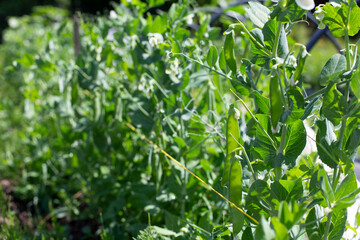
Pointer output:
x,y
319,14
155,39
305,4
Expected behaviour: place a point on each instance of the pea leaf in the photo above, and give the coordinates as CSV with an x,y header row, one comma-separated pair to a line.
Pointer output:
x,y
295,142
330,107
314,227
336,19
262,103
262,144
333,68
247,235
258,13
291,13
338,221
325,142
212,56
346,192
355,84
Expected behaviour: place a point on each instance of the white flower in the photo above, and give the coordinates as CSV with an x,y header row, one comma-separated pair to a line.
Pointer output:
x,y
319,14
155,39
113,14
305,4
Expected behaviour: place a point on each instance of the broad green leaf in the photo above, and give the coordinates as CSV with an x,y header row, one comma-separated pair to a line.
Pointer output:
x,y
262,144
276,107
175,46
269,32
258,13
338,221
325,186
295,142
355,84
333,68
336,19
259,192
235,193
232,140
290,213
346,192
314,226
331,107
280,229
264,230
247,235
212,56
291,13
309,108
229,51
297,103
325,142
261,102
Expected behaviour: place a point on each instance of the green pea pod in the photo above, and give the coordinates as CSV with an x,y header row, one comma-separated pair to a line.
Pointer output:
x,y
235,193
229,51
232,136
275,101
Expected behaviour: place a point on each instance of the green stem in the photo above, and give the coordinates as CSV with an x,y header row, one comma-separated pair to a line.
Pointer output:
x,y
328,224
323,90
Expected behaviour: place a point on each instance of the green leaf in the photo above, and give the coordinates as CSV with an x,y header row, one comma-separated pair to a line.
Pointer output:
x,y
333,68
295,142
259,193
280,229
262,144
297,103
314,227
325,142
261,102
264,230
232,140
229,51
336,19
309,108
276,106
175,46
269,32
326,187
247,235
290,214
291,13
212,56
355,84
235,193
258,13
346,192
330,107
338,221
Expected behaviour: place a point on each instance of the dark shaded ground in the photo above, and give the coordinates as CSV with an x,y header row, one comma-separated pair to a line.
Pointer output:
x,y
75,227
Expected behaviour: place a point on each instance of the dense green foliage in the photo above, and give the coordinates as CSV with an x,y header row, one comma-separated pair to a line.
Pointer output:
x,y
234,111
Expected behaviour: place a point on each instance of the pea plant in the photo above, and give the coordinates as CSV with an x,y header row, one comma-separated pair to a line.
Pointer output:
x,y
288,192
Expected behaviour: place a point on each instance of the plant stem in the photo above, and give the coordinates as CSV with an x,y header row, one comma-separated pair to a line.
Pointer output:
x,y
327,227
